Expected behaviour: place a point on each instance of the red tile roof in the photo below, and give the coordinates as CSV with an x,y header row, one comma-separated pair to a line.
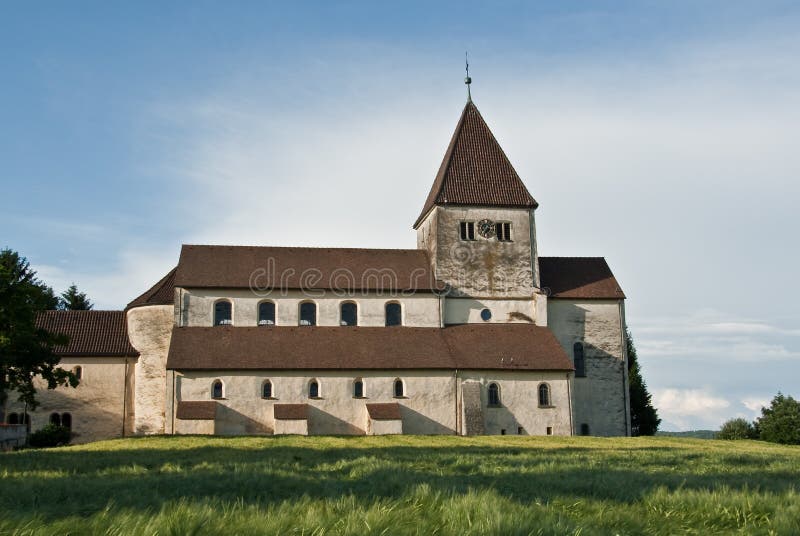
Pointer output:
x,y
579,278
473,346
475,170
384,412
305,268
290,412
162,293
203,410
91,333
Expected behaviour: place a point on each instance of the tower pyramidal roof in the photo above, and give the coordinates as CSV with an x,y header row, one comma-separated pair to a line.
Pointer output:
x,y
475,170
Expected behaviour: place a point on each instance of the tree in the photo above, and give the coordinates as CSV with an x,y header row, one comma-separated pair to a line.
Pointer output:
x,y
737,429
644,417
780,422
73,300
26,351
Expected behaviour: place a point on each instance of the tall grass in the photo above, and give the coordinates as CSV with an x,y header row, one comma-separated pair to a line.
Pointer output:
x,y
402,485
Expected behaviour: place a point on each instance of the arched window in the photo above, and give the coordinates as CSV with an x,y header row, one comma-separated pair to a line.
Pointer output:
x,y
266,389
216,389
313,389
308,314
349,314
266,314
223,313
584,429
55,419
78,372
399,388
544,395
13,418
580,362
358,388
66,420
394,314
494,394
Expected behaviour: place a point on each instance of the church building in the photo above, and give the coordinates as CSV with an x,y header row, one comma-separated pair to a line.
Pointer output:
x,y
472,332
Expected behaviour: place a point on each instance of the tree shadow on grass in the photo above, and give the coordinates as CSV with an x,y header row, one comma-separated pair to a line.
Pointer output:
x,y
60,483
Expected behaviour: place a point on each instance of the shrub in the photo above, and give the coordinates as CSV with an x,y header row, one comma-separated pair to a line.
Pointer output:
x,y
780,422
50,436
737,429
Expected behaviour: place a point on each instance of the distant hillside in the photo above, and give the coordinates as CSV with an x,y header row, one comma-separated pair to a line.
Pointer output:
x,y
697,434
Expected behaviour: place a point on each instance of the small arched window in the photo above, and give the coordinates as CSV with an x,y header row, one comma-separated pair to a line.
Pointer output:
x,y
494,394
358,388
394,314
216,389
580,362
78,372
55,419
313,389
585,429
266,389
308,314
66,420
223,313
544,395
349,314
399,388
13,418
266,314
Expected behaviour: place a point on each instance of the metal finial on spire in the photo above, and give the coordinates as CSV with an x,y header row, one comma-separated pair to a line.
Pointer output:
x,y
467,80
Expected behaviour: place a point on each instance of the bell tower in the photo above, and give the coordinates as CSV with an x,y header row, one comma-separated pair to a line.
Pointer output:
x,y
478,226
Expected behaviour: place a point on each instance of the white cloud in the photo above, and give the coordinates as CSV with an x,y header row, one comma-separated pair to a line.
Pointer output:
x,y
684,409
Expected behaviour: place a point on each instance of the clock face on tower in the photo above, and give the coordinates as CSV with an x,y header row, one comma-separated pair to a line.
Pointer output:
x,y
486,228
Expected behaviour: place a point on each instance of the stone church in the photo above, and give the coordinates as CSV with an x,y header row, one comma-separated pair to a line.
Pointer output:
x,y
470,333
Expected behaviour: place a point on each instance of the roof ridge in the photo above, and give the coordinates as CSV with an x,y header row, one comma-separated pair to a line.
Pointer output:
x,y
301,247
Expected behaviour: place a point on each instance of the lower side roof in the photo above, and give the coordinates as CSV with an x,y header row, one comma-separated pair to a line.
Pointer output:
x,y
467,346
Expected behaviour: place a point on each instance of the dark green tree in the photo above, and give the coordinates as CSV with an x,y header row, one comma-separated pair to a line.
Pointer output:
x,y
26,351
73,300
737,429
780,422
644,417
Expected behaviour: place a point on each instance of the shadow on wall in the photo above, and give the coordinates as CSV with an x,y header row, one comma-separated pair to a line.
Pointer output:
x,y
415,422
231,422
598,397
323,423
90,420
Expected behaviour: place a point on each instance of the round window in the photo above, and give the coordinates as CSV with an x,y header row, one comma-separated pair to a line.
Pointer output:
x,y
486,315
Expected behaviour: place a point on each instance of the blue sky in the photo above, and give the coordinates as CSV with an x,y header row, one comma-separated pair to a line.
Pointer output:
x,y
661,135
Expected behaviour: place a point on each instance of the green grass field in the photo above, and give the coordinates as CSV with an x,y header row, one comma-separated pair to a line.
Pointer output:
x,y
402,485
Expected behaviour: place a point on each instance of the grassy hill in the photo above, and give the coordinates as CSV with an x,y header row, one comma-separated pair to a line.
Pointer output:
x,y
402,485
697,434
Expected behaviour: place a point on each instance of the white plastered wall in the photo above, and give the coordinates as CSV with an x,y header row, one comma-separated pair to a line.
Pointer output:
x,y
418,309
599,399
149,330
97,406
